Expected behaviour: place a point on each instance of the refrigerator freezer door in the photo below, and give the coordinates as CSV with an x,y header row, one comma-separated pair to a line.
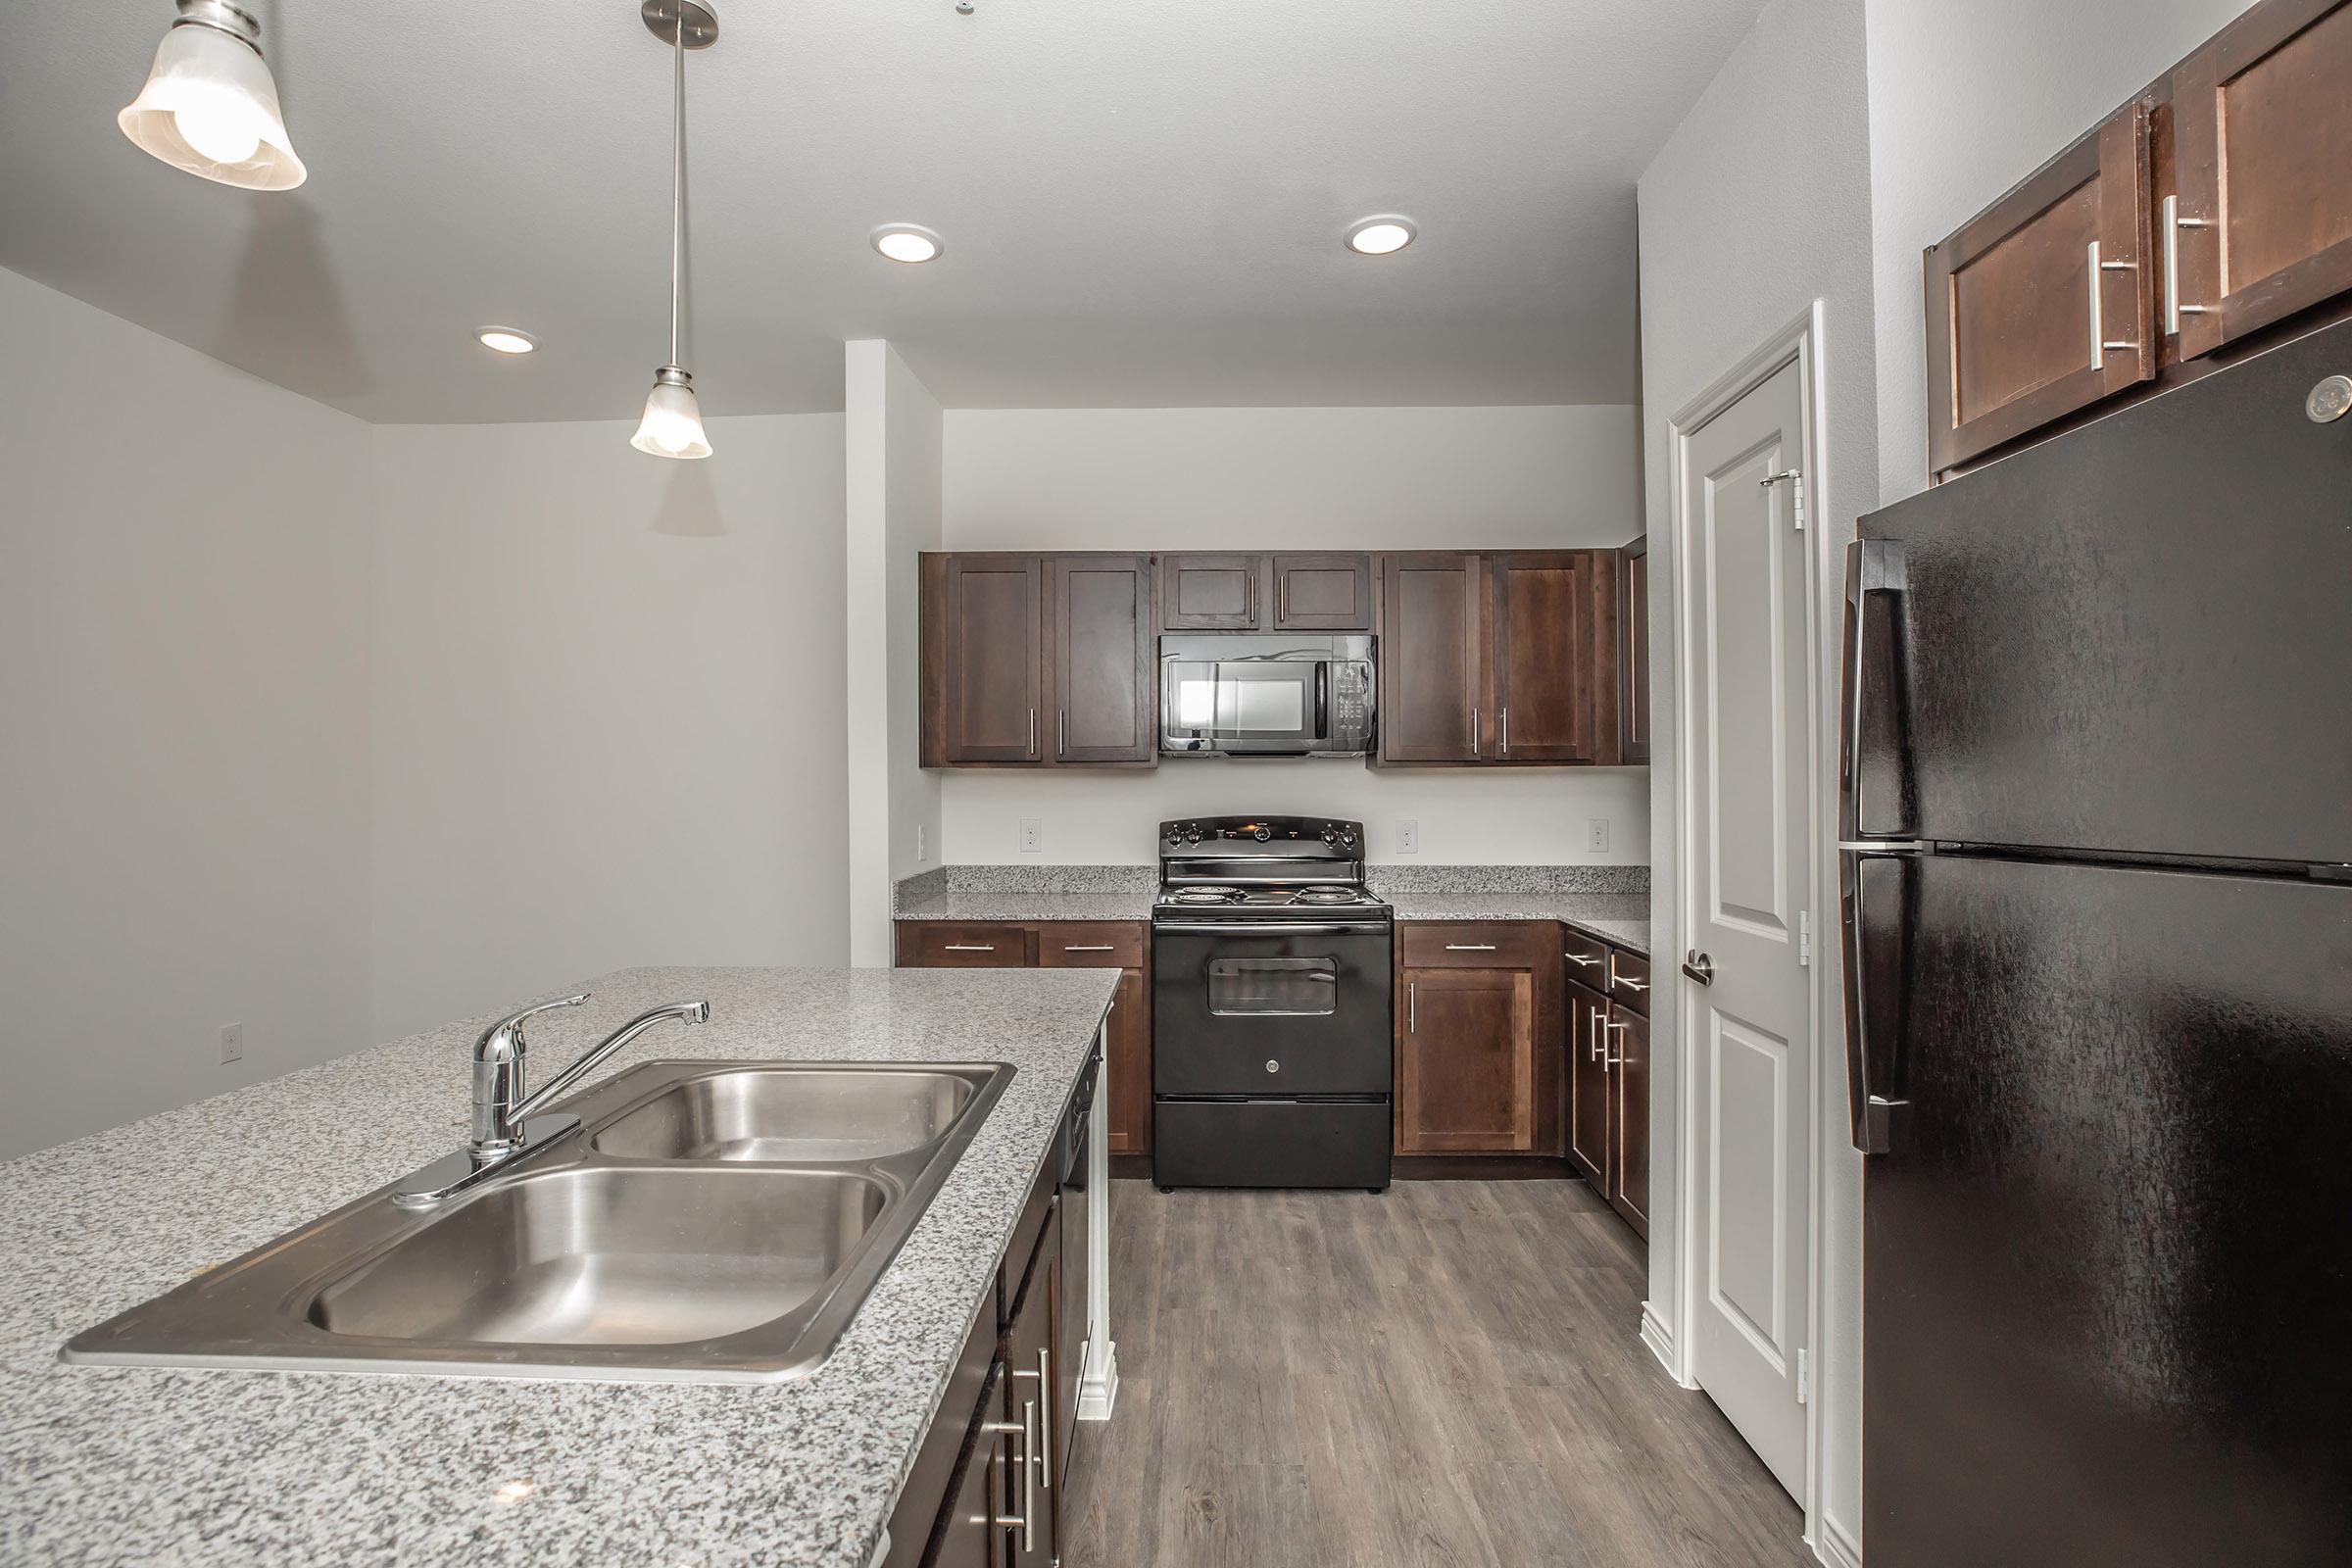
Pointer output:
x,y
2107,1267
2135,638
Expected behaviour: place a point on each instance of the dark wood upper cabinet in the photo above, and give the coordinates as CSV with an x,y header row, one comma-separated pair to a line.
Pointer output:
x,y
984,628
2045,302
1432,658
1633,653
1209,592
1101,651
1322,593
2262,138
1037,660
1554,671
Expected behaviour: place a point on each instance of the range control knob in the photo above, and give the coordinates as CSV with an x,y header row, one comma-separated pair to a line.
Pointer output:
x,y
1346,841
1264,833
1329,837
1192,833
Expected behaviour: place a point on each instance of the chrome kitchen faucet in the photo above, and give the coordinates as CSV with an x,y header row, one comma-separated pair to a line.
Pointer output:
x,y
506,1123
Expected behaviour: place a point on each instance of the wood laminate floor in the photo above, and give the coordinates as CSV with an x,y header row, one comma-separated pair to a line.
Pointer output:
x,y
1447,1373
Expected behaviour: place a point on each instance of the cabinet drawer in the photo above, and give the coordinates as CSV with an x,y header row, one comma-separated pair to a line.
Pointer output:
x,y
1588,959
1473,944
936,944
1087,945
1628,980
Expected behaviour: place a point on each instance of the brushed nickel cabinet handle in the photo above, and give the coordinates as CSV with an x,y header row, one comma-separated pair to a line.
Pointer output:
x,y
1600,1038
1026,1520
1469,946
1033,732
1412,1007
1503,746
2174,223
1089,947
2100,348
1630,984
1582,961
1474,731
969,947
1062,732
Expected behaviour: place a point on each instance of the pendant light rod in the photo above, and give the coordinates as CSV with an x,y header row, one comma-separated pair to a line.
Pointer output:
x,y
677,184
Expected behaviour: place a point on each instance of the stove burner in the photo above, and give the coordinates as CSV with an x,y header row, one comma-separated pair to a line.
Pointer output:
x,y
1326,896
1205,896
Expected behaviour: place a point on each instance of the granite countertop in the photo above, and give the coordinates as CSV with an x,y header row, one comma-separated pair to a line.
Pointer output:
x,y
103,1466
1014,905
1028,893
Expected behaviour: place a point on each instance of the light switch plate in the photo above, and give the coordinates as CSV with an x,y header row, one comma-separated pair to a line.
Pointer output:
x,y
1408,836
232,1043
1033,835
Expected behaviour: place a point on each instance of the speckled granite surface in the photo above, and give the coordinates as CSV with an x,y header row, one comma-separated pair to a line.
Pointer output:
x,y
118,1465
1029,893
1611,901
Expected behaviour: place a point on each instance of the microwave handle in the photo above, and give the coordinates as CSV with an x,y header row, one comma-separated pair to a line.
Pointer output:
x,y
1322,699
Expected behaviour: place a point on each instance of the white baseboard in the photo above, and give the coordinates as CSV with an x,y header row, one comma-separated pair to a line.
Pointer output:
x,y
1660,1339
1099,1388
1833,1544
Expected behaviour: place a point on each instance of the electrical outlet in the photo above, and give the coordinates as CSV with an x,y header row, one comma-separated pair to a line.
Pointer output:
x,y
232,1043
1033,835
1408,836
922,845
1597,835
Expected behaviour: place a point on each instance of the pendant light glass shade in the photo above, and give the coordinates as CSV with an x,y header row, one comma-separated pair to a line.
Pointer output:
x,y
672,426
210,105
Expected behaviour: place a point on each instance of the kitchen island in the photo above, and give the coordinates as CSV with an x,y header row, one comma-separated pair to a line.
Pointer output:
x,y
102,1465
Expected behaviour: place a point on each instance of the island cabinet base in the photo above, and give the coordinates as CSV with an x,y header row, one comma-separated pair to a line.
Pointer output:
x,y
985,1488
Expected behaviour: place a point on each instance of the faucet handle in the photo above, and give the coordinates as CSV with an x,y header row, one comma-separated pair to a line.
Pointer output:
x,y
505,1037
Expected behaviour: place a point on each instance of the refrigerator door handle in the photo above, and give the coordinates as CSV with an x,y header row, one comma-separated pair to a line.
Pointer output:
x,y
1875,963
1873,567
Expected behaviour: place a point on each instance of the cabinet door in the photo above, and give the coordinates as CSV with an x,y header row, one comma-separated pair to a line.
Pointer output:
x,y
1590,1084
1127,1053
1629,1117
1466,1063
2263,154
967,1535
989,677
1633,655
1209,592
1100,654
2044,303
1432,634
1322,593
1029,1403
1553,665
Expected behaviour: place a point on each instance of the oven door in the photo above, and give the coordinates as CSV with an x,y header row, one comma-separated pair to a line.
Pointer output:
x,y
1270,1009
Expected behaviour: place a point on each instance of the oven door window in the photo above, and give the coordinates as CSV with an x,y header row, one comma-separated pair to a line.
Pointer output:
x,y
1273,988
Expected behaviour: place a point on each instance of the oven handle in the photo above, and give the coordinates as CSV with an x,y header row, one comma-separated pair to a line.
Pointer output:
x,y
1272,928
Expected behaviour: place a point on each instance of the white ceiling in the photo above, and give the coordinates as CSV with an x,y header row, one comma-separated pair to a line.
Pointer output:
x,y
1142,203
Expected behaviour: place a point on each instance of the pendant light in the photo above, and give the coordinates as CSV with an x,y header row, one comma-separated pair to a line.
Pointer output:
x,y
210,106
672,426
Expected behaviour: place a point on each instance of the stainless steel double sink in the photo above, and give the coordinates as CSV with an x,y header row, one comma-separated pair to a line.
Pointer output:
x,y
707,1221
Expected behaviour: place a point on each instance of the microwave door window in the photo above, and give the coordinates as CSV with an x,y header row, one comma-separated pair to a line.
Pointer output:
x,y
1215,700
1268,707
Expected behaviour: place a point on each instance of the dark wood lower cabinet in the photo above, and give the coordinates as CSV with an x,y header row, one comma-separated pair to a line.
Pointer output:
x,y
1477,1053
1029,1412
1629,1175
967,1535
1589,1087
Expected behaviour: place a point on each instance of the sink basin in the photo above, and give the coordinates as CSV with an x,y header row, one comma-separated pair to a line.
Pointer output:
x,y
773,1114
706,1221
611,1258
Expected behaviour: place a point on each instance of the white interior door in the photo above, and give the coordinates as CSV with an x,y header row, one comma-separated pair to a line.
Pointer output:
x,y
1748,1036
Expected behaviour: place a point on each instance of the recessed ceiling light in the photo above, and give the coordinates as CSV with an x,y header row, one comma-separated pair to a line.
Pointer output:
x,y
908,242
506,339
1384,235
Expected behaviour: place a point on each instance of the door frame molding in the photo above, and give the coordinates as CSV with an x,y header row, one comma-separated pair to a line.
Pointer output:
x,y
1665,1323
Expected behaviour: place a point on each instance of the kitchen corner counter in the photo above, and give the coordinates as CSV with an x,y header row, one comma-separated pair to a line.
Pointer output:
x,y
102,1465
1017,905
1621,918
1028,893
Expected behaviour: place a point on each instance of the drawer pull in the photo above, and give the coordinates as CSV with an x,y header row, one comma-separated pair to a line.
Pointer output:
x,y
1582,961
1469,946
1412,1007
1090,947
1630,985
1601,1037
970,947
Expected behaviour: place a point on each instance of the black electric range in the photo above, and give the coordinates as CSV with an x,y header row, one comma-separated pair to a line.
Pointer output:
x,y
1271,1021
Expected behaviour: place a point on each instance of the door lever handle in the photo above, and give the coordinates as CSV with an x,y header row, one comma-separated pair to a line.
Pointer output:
x,y
1699,967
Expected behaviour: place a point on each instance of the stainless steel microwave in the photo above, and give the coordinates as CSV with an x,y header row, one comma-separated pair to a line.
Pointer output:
x,y
1265,694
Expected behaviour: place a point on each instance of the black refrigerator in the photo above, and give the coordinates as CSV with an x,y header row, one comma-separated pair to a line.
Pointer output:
x,y
2096,783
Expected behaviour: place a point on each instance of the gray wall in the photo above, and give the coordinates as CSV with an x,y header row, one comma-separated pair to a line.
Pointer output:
x,y
183,723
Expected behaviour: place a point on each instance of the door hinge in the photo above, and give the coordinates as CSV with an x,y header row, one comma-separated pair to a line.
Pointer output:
x,y
1804,1379
1805,939
1796,494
